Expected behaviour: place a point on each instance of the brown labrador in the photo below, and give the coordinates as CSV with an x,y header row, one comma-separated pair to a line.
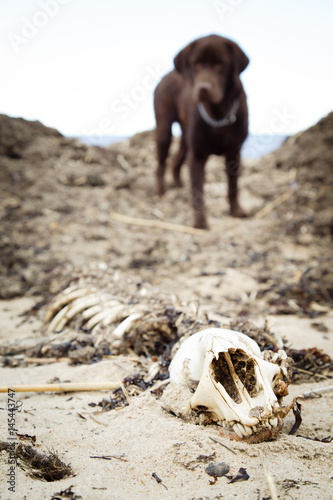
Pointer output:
x,y
205,96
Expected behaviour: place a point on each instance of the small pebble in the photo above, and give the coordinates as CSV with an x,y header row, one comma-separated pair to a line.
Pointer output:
x,y
217,470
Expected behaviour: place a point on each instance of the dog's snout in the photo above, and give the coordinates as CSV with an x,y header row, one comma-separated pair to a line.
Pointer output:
x,y
204,91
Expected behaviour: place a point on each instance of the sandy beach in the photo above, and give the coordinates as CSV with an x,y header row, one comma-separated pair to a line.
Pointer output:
x,y
60,225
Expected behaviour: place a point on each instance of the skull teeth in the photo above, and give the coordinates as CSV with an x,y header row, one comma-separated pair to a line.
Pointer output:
x,y
274,421
248,430
238,429
245,430
242,430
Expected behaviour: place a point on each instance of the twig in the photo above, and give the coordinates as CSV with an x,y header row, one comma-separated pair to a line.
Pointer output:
x,y
135,358
95,419
159,384
275,203
315,391
123,388
65,387
156,223
224,445
45,361
309,372
158,479
269,479
109,457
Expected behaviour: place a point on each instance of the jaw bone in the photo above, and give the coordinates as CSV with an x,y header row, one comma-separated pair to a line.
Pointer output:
x,y
233,383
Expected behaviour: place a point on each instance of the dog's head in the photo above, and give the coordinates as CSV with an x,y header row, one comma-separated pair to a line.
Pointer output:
x,y
213,65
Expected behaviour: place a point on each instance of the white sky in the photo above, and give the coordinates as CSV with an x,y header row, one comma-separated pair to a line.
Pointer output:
x,y
90,67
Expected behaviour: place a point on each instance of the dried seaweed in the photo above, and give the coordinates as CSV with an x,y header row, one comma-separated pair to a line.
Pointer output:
x,y
309,363
47,467
241,475
26,437
314,286
67,493
134,385
288,484
327,439
156,334
193,464
298,417
264,337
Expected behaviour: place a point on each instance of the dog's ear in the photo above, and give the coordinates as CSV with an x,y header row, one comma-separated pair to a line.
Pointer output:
x,y
182,59
240,58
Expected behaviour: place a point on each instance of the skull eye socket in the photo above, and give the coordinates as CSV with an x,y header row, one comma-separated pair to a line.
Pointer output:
x,y
233,363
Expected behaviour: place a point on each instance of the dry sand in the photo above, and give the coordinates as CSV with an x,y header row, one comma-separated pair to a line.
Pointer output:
x,y
143,438
274,267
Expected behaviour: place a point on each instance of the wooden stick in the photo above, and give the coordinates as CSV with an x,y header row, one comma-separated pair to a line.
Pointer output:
x,y
316,391
156,223
123,388
309,372
275,203
222,444
65,387
45,361
269,479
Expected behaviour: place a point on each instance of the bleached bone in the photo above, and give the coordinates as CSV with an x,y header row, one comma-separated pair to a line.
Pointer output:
x,y
127,324
93,309
71,310
64,298
233,383
107,315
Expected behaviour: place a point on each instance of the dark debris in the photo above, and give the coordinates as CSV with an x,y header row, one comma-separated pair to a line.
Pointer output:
x,y
47,467
67,493
241,475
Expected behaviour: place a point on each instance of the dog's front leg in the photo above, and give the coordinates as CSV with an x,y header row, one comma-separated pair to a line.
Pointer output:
x,y
163,141
233,170
197,172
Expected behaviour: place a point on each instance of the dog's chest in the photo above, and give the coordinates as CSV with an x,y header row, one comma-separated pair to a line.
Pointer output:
x,y
208,140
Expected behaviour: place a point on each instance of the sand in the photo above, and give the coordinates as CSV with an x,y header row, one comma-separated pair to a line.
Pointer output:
x,y
58,228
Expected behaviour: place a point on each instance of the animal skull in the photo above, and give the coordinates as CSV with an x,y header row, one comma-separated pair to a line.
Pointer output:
x,y
233,383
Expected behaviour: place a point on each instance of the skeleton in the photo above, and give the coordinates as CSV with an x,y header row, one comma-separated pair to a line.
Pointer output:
x,y
232,382
95,307
113,321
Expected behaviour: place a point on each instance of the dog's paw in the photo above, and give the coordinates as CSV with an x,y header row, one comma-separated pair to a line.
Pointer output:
x,y
177,183
200,221
159,188
237,211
